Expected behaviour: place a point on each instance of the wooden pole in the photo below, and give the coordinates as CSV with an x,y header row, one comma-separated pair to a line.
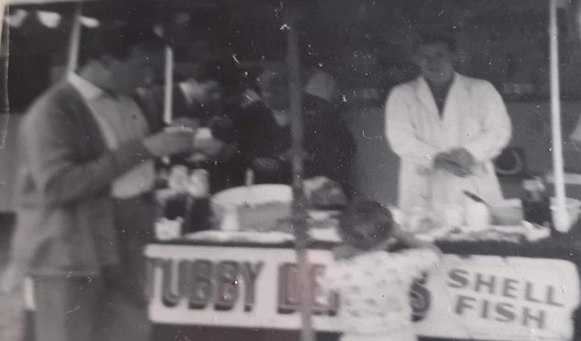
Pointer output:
x,y
561,218
168,88
576,7
3,12
4,44
75,39
299,214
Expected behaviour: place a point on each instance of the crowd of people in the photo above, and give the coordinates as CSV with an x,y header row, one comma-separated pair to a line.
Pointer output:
x,y
251,126
93,143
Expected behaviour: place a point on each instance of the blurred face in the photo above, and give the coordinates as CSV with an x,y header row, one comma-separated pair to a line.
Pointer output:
x,y
275,100
436,62
204,92
137,70
274,91
211,92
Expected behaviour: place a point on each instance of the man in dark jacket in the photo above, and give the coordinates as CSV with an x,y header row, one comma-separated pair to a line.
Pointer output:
x,y
265,135
202,101
85,209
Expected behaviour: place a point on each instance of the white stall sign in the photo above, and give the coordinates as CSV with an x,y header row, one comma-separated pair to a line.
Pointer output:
x,y
478,297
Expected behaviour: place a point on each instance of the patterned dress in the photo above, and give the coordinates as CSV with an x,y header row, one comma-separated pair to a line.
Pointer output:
x,y
374,293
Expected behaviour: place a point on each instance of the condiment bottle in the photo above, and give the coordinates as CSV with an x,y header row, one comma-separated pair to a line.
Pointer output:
x,y
198,208
198,185
178,178
536,203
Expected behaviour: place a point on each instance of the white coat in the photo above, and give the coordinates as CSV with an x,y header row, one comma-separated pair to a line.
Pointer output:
x,y
474,117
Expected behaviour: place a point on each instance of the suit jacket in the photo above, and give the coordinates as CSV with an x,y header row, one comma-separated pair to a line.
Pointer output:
x,y
327,141
64,204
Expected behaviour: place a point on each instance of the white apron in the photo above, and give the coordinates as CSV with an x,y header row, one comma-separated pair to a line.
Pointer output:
x,y
474,117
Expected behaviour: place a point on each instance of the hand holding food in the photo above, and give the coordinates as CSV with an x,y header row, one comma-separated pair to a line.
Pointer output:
x,y
170,142
185,122
211,147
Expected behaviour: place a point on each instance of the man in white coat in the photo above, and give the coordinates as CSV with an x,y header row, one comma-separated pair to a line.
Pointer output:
x,y
446,128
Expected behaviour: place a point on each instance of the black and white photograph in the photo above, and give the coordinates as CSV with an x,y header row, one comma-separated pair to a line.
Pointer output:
x,y
290,170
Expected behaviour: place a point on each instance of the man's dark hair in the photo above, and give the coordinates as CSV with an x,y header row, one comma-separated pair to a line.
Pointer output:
x,y
365,224
427,37
117,42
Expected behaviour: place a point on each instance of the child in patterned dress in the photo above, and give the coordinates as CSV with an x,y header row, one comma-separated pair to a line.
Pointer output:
x,y
374,284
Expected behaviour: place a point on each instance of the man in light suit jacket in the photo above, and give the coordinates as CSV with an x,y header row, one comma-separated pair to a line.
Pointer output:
x,y
85,209
446,128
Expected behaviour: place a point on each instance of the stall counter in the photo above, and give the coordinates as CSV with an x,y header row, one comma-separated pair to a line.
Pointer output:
x,y
480,290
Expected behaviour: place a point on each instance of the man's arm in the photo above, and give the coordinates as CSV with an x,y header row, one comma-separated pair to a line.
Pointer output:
x,y
401,133
496,127
56,168
62,177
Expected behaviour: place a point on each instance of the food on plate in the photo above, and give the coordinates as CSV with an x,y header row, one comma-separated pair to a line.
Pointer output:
x,y
255,208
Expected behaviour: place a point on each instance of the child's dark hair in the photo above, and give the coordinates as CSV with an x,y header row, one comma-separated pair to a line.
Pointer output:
x,y
365,224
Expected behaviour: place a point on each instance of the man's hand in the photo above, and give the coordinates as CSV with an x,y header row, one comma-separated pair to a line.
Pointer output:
x,y
463,158
444,161
211,147
169,143
441,161
455,162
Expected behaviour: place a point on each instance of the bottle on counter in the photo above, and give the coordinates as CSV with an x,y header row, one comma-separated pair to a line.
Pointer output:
x,y
198,213
536,203
185,197
171,206
198,184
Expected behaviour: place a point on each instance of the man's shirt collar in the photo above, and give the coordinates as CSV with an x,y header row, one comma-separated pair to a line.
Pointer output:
x,y
88,90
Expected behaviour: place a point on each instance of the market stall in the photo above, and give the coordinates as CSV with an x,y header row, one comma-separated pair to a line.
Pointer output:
x,y
505,283
500,283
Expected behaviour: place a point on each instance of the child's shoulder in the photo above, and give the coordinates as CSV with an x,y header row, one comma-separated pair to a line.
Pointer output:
x,y
386,258
376,260
417,257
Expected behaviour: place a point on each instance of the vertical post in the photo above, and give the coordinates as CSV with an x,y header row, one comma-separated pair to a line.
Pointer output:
x,y
299,218
576,8
4,45
3,12
295,93
75,39
168,88
561,217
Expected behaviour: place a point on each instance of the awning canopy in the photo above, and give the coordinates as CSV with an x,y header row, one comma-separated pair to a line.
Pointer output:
x,y
146,10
